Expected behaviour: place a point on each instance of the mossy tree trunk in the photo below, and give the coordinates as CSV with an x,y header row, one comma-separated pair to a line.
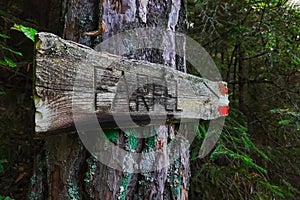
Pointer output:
x,y
64,169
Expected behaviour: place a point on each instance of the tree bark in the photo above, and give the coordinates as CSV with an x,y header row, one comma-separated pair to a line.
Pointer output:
x,y
243,75
64,169
122,15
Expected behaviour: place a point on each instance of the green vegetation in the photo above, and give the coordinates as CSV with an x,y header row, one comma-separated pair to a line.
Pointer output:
x,y
151,141
27,31
5,51
232,167
288,117
5,60
124,186
5,198
255,44
9,58
132,140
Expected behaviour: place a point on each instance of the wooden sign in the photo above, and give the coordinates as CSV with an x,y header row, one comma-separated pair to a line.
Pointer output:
x,y
73,81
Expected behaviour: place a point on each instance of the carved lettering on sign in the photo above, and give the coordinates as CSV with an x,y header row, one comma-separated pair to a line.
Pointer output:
x,y
106,82
134,93
153,92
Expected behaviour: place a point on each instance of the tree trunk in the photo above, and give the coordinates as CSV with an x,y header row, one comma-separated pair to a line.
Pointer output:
x,y
64,169
243,82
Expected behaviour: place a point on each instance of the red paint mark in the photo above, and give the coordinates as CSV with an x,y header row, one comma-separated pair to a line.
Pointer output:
x,y
223,110
223,88
160,144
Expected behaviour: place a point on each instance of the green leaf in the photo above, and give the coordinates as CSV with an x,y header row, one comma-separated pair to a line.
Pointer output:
x,y
296,61
2,93
10,50
284,122
273,188
4,36
276,110
298,126
27,31
8,62
5,198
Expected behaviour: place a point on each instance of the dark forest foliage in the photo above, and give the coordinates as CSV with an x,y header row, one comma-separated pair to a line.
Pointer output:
x,y
256,46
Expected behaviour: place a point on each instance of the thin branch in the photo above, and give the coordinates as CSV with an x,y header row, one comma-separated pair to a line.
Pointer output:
x,y
256,56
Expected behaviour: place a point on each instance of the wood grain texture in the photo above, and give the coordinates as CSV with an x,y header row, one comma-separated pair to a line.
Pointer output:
x,y
74,81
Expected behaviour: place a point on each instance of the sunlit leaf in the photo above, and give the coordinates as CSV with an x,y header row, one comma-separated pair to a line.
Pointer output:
x,y
10,62
27,31
278,110
7,62
4,36
10,50
284,122
2,62
296,61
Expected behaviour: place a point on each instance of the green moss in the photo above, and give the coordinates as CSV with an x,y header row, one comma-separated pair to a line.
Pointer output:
x,y
86,20
36,180
151,141
73,190
176,186
148,176
89,174
174,178
83,22
132,140
112,135
92,166
124,186
33,179
32,195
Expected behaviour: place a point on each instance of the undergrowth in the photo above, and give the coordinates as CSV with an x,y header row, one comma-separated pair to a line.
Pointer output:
x,y
235,169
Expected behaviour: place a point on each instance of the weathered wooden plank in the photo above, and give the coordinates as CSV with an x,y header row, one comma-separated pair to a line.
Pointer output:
x,y
74,78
